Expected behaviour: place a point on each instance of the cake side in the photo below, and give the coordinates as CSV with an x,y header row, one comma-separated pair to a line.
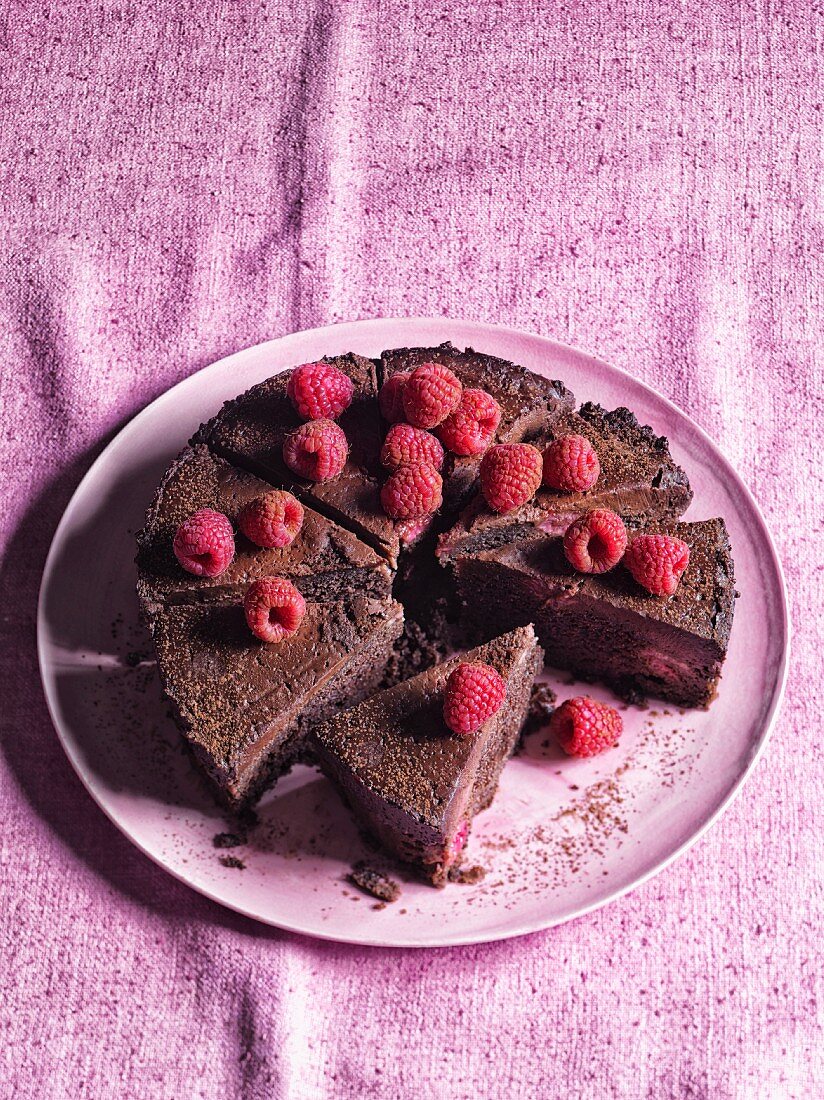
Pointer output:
x,y
411,782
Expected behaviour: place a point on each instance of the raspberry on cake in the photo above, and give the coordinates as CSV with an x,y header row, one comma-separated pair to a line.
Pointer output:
x,y
274,608
510,475
316,450
657,562
430,394
473,693
204,543
596,542
585,727
405,444
320,391
571,464
471,427
412,491
273,520
390,397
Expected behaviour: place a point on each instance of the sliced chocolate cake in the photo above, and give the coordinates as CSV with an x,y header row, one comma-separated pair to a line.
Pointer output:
x,y
245,706
325,561
528,403
411,782
250,430
606,627
638,480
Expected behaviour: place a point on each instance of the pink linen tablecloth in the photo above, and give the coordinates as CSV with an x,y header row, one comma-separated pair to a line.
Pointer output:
x,y
180,180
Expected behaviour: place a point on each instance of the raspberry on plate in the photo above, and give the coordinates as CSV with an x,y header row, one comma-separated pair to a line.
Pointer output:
x,y
471,427
510,475
274,608
272,520
316,450
411,491
430,394
657,562
405,444
596,541
571,464
204,543
474,692
319,391
585,727
390,397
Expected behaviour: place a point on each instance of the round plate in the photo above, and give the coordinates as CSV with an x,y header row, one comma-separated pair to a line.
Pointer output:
x,y
562,837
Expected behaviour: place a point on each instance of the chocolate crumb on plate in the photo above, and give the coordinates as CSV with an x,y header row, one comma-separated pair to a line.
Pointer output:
x,y
467,876
374,882
233,861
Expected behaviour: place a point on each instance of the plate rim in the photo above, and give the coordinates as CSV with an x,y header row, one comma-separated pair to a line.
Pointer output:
x,y
495,935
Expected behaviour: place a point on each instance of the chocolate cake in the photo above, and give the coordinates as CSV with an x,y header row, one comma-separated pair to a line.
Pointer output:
x,y
606,627
249,432
638,480
245,706
325,561
529,402
411,782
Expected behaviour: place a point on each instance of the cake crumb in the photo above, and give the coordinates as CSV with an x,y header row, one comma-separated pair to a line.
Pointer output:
x,y
541,705
228,840
374,882
233,861
467,876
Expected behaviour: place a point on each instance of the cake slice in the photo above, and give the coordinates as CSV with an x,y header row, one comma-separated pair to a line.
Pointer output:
x,y
639,480
249,432
413,784
325,561
528,402
606,627
245,707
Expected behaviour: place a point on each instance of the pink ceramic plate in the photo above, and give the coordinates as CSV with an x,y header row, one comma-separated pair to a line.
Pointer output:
x,y
563,835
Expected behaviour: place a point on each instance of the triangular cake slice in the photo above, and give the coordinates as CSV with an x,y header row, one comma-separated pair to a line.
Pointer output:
x,y
528,402
638,479
245,706
413,784
249,432
325,561
607,627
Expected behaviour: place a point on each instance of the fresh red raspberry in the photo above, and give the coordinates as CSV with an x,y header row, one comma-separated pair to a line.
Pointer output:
x,y
274,608
316,450
430,394
319,391
596,541
474,692
390,397
272,520
585,727
571,464
510,474
657,562
471,427
404,444
412,491
204,543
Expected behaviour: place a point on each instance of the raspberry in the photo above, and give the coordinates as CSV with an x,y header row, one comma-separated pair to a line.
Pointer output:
x,y
510,474
412,491
470,428
571,464
430,394
390,398
272,520
316,450
319,391
274,608
585,727
204,543
405,444
657,562
596,541
473,694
